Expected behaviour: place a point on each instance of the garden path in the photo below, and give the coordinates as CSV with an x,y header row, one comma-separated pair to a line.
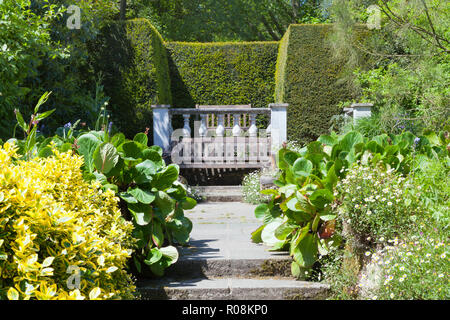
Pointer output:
x,y
221,262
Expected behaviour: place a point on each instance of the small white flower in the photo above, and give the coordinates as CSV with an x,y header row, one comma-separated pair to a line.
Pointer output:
x,y
367,253
392,296
389,203
441,275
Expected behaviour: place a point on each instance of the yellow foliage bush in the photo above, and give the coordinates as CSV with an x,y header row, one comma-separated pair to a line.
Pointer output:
x,y
60,237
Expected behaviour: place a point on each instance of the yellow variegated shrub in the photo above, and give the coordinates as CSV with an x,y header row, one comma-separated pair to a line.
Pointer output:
x,y
60,237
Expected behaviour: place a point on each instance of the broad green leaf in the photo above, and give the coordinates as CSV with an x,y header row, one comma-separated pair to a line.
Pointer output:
x,y
327,217
256,235
177,191
296,270
141,138
87,144
118,139
164,202
261,210
350,139
158,149
128,197
315,152
327,140
142,213
171,253
188,203
157,234
144,172
269,192
142,195
268,233
284,230
305,254
100,177
153,256
105,157
290,157
301,233
158,268
302,167
131,150
321,197
166,178
292,205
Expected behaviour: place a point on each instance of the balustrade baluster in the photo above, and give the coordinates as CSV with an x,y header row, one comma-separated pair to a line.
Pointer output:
x,y
253,130
202,130
187,127
237,127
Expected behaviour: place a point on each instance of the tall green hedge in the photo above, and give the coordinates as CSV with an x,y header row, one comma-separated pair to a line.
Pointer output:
x,y
133,60
222,73
307,78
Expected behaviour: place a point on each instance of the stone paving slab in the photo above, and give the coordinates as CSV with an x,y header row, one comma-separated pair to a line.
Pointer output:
x,y
223,231
221,245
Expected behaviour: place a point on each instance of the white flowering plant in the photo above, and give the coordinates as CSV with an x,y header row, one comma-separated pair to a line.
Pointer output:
x,y
414,269
379,204
251,186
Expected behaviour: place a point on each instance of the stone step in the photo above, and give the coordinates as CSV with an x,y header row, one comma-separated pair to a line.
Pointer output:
x,y
221,262
220,193
232,289
190,268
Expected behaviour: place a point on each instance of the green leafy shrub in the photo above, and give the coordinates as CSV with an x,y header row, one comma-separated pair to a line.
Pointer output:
x,y
133,60
150,194
60,237
307,79
300,216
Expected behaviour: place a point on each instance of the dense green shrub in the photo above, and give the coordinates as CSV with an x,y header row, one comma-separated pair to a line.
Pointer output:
x,y
308,79
222,73
133,61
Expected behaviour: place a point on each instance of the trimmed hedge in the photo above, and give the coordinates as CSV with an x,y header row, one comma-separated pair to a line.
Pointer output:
x,y
307,78
132,58
222,73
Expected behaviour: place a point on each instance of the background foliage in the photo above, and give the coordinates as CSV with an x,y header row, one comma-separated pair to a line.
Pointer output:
x,y
133,60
